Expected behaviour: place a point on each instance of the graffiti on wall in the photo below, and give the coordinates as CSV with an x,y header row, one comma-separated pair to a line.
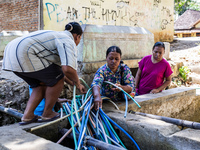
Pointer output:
x,y
168,18
151,14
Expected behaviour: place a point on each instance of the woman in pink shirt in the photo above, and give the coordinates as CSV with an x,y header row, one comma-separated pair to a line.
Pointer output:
x,y
154,72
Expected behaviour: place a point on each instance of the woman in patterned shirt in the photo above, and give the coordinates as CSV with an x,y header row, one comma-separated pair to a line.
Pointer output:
x,y
115,72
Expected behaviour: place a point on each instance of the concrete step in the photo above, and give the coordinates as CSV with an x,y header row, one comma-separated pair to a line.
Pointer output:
x,y
194,77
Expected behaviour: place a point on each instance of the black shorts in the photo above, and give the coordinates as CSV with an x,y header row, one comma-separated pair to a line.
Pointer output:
x,y
49,76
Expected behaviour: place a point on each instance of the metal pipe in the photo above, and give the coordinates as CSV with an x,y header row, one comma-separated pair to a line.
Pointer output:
x,y
93,142
11,112
179,122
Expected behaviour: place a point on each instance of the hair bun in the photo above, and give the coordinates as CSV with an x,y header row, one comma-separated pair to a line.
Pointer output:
x,y
71,27
74,28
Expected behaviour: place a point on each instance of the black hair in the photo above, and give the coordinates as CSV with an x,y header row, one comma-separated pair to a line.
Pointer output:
x,y
74,28
159,44
113,49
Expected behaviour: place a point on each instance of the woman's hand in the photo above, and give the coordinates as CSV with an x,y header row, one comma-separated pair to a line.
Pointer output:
x,y
97,97
97,103
116,89
126,88
155,91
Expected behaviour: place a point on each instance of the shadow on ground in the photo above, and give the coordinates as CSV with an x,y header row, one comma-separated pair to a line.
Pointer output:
x,y
184,43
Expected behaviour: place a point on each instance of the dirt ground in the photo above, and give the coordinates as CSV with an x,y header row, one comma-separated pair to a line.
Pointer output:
x,y
184,43
187,50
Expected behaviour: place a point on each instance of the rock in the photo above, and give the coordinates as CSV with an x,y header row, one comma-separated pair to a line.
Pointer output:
x,y
172,85
175,67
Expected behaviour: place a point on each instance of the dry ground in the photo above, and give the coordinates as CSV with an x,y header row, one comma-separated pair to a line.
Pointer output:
x,y
187,51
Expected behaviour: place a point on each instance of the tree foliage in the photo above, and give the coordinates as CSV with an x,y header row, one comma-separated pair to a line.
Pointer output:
x,y
180,6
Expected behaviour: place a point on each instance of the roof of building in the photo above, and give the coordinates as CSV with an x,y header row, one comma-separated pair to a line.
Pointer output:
x,y
187,20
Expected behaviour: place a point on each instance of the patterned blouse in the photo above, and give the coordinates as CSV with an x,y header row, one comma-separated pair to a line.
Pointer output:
x,y
105,74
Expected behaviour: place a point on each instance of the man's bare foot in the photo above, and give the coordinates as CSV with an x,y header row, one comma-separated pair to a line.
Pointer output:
x,y
27,117
61,100
50,114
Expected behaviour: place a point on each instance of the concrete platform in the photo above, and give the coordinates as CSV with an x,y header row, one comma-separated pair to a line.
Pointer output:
x,y
181,103
14,137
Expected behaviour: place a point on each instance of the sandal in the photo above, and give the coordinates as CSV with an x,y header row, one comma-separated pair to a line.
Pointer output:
x,y
44,119
28,121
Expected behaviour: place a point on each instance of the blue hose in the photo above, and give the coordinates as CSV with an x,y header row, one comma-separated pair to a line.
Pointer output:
x,y
72,124
123,92
126,105
83,127
103,137
97,124
101,111
112,135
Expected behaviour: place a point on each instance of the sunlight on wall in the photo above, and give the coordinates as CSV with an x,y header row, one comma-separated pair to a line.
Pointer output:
x,y
154,15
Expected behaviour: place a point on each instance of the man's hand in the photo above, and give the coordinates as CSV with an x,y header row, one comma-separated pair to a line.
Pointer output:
x,y
82,89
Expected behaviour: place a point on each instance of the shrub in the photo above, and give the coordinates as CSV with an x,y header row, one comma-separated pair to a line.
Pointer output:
x,y
183,72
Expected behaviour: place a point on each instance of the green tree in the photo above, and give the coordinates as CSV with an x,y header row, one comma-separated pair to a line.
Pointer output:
x,y
180,6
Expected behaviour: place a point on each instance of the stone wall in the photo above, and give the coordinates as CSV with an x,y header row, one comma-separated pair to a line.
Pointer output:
x,y
19,15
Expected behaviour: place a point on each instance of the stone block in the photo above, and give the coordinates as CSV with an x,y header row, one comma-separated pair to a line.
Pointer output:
x,y
94,66
7,36
195,78
195,69
9,75
185,139
175,67
135,43
167,50
14,137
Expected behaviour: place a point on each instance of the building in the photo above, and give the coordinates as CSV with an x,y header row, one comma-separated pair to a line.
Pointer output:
x,y
188,24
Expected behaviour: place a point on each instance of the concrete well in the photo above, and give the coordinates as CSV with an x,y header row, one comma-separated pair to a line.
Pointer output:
x,y
152,134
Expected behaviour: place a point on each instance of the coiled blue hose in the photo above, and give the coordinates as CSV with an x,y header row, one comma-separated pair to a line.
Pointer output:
x,y
126,99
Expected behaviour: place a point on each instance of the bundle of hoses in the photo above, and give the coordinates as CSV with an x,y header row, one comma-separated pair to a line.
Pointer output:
x,y
89,122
